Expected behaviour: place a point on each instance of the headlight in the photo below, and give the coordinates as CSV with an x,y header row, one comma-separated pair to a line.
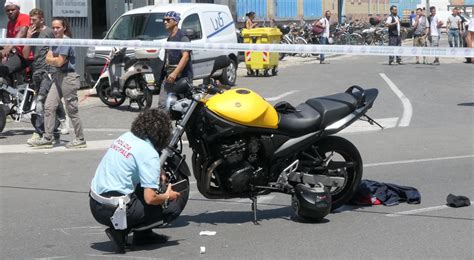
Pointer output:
x,y
90,52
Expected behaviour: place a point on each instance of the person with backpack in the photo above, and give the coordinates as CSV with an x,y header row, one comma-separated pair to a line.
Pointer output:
x,y
393,24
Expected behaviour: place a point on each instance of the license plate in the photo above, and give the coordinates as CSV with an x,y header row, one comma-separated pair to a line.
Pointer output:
x,y
150,78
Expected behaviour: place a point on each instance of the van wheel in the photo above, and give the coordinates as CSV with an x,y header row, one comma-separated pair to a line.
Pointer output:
x,y
229,74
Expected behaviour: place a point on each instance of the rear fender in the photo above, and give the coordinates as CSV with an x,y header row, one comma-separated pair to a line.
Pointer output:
x,y
369,98
103,76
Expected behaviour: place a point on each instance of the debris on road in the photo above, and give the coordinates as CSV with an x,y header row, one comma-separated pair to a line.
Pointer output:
x,y
207,233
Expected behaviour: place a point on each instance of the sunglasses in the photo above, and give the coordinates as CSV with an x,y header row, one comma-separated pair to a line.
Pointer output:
x,y
167,20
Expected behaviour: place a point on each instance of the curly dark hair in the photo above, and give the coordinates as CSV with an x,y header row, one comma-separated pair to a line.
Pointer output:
x,y
154,125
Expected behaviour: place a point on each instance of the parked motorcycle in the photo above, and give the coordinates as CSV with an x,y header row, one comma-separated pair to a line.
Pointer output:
x,y
243,147
133,77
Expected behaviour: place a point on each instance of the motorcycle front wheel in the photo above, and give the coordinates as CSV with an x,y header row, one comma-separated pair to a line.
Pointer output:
x,y
170,167
103,90
335,157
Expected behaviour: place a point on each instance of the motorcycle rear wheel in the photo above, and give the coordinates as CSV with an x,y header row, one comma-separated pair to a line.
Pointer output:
x,y
346,161
103,90
144,102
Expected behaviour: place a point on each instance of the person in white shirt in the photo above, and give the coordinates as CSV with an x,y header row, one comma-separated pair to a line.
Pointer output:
x,y
453,26
324,23
393,24
434,33
470,36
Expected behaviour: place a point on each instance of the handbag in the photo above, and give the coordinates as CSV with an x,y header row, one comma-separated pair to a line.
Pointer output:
x,y
318,29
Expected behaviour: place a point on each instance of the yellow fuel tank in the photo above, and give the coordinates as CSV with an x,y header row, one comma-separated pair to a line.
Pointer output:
x,y
245,107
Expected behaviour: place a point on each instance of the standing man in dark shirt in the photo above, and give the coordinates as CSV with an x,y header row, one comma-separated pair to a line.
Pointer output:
x,y
177,62
394,38
41,73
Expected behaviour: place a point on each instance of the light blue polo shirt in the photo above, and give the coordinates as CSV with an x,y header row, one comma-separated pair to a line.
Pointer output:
x,y
128,161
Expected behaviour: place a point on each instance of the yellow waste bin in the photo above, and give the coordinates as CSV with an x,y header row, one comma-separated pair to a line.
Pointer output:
x,y
255,61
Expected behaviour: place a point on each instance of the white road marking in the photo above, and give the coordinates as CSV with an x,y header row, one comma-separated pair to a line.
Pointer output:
x,y
281,96
420,160
24,148
407,107
261,199
416,211
121,130
364,126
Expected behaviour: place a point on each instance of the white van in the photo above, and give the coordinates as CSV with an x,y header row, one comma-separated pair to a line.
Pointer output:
x,y
210,23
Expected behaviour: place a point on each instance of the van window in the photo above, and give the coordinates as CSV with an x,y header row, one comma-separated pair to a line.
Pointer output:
x,y
192,22
139,27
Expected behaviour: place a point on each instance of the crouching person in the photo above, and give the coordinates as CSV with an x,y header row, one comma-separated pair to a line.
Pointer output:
x,y
124,191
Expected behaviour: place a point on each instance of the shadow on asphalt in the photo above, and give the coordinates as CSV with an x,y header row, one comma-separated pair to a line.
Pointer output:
x,y
108,247
15,132
468,104
240,217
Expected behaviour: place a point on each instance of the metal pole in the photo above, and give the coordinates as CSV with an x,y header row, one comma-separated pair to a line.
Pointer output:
x,y
427,8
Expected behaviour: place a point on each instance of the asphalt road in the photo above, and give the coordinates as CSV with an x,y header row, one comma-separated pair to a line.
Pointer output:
x,y
428,144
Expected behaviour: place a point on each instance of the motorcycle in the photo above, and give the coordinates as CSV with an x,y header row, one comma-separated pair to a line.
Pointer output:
x,y
243,147
17,99
133,76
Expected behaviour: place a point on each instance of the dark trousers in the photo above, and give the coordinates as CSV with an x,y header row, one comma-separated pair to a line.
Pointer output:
x,y
42,84
138,212
323,41
394,40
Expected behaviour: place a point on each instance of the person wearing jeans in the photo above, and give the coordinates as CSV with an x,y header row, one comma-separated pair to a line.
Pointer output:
x,y
393,24
453,26
324,23
66,83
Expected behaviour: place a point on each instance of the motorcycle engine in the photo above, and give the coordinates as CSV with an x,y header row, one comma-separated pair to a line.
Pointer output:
x,y
241,164
133,93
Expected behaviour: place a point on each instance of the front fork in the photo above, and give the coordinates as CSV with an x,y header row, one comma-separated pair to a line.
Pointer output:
x,y
177,133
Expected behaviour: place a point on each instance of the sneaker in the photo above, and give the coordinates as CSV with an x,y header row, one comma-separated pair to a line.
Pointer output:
x,y
400,62
436,62
148,237
43,143
34,138
63,127
118,238
77,143
324,62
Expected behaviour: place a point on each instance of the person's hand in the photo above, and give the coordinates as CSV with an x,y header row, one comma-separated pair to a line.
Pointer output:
x,y
171,194
171,78
31,31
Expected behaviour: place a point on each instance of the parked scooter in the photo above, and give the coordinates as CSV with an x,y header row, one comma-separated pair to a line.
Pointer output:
x,y
244,147
124,77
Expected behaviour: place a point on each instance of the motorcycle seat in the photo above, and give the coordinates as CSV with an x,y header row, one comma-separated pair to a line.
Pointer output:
x,y
302,121
334,107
